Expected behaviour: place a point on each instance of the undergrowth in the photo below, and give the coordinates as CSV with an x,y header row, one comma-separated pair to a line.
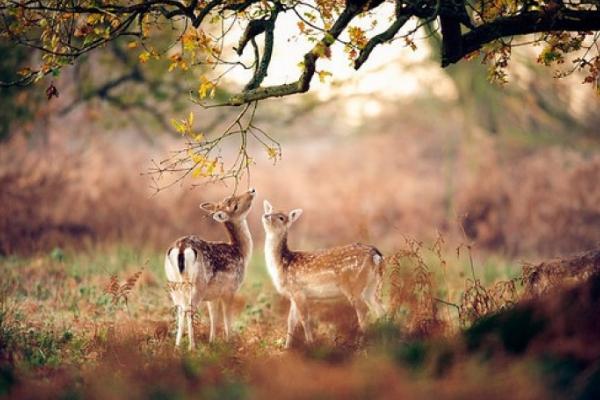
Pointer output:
x,y
100,324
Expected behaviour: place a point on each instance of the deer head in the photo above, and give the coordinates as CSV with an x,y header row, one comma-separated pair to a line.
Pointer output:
x,y
277,223
233,208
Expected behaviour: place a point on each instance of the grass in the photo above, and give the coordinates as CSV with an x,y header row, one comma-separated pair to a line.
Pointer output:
x,y
63,335
69,287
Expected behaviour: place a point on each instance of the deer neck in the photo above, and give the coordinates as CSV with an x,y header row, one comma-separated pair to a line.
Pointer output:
x,y
276,254
239,237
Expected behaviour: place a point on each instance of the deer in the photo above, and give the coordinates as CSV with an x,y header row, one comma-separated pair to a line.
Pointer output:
x,y
353,272
203,271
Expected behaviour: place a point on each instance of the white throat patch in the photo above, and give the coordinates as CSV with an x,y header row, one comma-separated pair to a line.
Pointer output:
x,y
273,261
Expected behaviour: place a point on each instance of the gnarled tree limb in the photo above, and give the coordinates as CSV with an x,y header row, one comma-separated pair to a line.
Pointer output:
x,y
401,17
522,24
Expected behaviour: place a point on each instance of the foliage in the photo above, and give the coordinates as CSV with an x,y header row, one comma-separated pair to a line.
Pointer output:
x,y
63,33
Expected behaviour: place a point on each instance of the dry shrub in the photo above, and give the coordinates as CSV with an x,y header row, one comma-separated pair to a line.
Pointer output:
x,y
56,197
546,202
478,301
374,198
358,188
504,294
32,184
546,276
412,288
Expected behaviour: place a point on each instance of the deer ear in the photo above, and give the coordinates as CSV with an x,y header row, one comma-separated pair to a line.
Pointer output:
x,y
208,207
221,216
267,207
294,215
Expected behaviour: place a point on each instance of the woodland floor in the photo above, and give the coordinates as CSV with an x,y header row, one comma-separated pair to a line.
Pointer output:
x,y
65,334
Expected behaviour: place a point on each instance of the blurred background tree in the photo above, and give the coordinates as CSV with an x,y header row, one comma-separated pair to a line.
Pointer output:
x,y
16,105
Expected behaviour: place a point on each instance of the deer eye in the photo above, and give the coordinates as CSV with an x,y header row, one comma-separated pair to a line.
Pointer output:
x,y
235,207
280,218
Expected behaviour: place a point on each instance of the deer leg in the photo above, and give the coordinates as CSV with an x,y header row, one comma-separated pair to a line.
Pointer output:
x,y
190,302
372,299
360,306
190,325
227,316
374,305
180,318
213,313
361,312
292,325
302,310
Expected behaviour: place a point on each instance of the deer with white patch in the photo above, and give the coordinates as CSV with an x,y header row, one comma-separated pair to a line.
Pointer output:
x,y
354,272
212,272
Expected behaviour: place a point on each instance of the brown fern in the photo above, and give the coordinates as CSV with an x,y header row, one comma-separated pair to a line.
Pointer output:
x,y
119,291
414,288
112,288
504,293
476,302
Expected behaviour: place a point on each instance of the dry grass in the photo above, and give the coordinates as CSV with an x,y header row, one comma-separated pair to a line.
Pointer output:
x,y
60,196
544,203
62,334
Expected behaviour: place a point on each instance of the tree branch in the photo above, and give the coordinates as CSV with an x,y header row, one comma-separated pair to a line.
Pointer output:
x,y
353,8
401,18
526,23
263,66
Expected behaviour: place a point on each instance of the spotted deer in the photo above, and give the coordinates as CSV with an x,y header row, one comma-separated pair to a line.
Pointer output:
x,y
354,272
212,272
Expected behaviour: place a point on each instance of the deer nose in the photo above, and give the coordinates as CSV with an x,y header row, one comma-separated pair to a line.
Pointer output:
x,y
252,191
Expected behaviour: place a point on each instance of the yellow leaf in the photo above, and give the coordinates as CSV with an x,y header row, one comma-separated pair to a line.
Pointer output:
x,y
210,169
206,88
24,71
144,57
198,159
146,25
197,172
190,41
301,26
94,19
179,127
132,45
323,75
272,152
357,36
